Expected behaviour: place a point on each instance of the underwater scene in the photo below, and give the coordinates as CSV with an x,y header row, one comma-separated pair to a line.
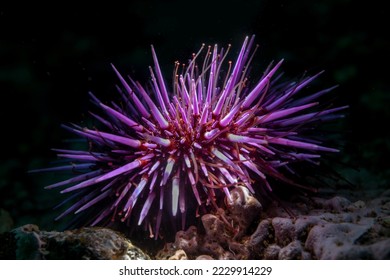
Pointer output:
x,y
167,130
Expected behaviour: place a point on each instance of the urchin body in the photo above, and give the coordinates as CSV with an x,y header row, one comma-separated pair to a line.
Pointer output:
x,y
171,152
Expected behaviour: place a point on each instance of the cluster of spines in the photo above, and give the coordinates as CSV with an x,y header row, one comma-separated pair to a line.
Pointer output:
x,y
213,132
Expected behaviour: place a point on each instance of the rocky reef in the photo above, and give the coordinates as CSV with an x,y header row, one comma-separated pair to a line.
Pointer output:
x,y
223,232
28,242
334,228
353,225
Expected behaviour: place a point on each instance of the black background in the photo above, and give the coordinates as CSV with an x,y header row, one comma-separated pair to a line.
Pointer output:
x,y
52,55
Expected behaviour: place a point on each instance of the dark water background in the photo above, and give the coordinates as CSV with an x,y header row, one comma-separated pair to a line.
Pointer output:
x,y
51,56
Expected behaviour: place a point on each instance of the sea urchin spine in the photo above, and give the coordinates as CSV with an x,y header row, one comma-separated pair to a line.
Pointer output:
x,y
180,150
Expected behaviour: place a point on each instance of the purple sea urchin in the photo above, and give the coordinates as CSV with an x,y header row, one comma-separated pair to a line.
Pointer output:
x,y
180,150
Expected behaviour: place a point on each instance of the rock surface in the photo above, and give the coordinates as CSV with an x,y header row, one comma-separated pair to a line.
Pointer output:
x,y
28,242
334,228
343,226
222,234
